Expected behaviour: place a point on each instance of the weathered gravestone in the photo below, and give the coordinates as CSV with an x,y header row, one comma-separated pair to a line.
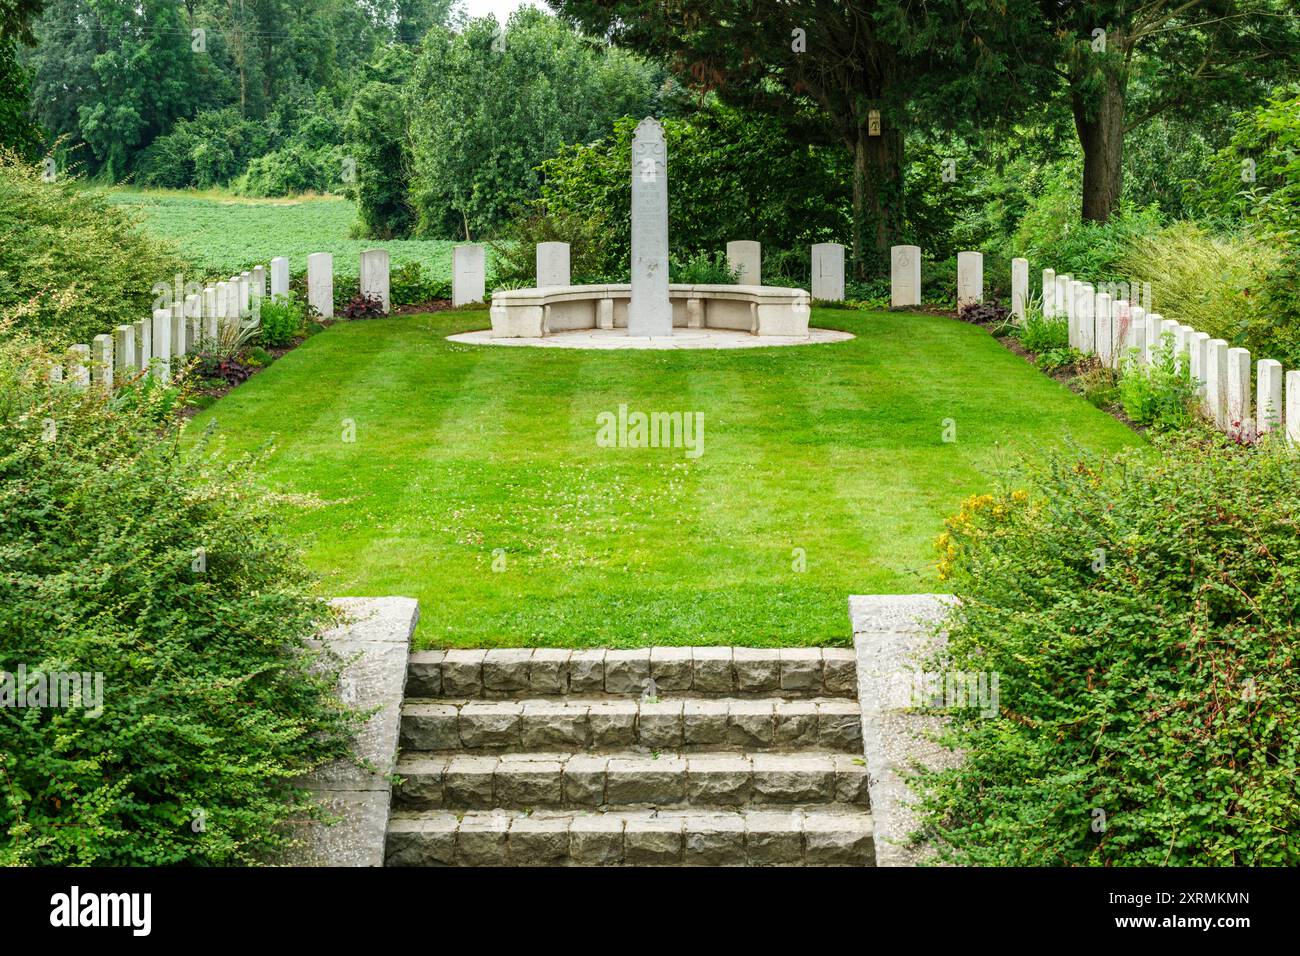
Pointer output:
x,y
904,276
552,264
828,271
374,276
468,274
320,283
746,257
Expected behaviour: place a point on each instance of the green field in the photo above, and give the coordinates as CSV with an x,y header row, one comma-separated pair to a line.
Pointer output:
x,y
225,234
469,455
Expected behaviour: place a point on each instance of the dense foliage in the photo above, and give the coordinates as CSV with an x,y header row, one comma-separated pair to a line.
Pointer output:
x,y
124,557
475,149
730,175
71,265
1141,611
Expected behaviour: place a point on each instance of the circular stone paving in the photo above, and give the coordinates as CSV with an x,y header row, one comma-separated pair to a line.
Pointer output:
x,y
680,339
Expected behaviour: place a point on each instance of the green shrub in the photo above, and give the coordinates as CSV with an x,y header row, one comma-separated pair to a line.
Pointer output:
x,y
123,555
1159,394
592,247
1051,234
1142,612
1207,282
409,284
282,319
1042,333
702,269
71,265
294,168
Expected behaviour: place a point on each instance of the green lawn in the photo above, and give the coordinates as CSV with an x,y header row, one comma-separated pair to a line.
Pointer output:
x,y
463,451
224,234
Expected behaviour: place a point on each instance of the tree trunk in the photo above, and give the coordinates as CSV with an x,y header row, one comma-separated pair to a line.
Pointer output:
x,y
1101,134
877,198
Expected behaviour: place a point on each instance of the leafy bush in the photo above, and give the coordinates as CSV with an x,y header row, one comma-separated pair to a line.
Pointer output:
x,y
208,150
362,306
1257,175
747,179
1043,334
71,265
1142,612
1099,384
592,247
702,269
989,312
1057,357
1052,235
123,555
1204,281
408,284
295,168
375,136
281,319
1159,394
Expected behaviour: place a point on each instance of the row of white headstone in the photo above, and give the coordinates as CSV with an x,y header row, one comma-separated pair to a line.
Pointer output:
x,y
152,345
1114,322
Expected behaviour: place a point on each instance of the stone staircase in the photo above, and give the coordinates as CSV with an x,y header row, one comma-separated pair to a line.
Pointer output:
x,y
659,756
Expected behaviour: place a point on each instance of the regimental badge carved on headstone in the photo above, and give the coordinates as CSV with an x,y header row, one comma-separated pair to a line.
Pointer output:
x,y
649,313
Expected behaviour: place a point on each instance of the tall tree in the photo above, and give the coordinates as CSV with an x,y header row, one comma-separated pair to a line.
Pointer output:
x,y
850,71
1123,62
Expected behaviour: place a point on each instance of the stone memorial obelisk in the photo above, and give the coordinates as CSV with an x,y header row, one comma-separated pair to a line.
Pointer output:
x,y
650,313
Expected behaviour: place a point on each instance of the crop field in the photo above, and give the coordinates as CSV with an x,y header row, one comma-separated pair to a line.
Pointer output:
x,y
223,234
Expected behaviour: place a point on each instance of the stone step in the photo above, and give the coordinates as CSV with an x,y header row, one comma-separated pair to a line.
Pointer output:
x,y
699,671
629,779
756,836
602,725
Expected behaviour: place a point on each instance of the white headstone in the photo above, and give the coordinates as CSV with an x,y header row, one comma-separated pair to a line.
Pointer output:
x,y
649,313
193,321
1049,293
1268,395
1071,312
124,350
1199,349
1293,407
1216,381
1084,317
79,365
1138,342
101,354
374,276
259,282
279,276
970,278
1019,287
828,272
1104,327
552,264
245,293
143,343
180,343
746,255
904,275
162,345
1183,347
1062,295
468,274
1239,389
320,283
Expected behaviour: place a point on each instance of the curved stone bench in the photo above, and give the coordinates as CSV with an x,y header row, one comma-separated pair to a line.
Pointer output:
x,y
757,309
